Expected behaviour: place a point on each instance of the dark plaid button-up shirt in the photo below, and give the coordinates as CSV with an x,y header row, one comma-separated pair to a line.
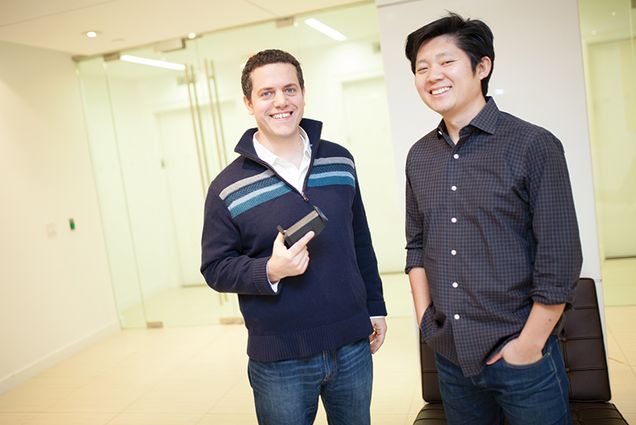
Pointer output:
x,y
491,219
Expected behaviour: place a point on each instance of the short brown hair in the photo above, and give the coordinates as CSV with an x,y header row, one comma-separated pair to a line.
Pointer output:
x,y
266,57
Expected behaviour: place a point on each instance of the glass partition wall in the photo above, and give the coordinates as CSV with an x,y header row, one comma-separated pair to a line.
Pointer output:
x,y
159,135
609,48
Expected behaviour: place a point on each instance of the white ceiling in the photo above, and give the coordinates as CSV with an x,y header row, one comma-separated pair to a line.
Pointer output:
x,y
60,24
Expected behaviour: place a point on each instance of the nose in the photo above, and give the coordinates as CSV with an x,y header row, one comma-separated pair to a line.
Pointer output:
x,y
280,99
435,73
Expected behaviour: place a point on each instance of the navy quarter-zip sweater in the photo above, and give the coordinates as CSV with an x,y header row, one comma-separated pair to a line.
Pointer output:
x,y
329,305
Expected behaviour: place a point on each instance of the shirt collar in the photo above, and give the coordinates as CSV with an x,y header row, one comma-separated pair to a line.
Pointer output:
x,y
270,157
485,120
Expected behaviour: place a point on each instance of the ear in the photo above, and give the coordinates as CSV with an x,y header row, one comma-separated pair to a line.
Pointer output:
x,y
484,67
248,105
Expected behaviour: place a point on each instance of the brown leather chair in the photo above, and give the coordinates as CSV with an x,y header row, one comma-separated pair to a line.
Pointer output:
x,y
581,338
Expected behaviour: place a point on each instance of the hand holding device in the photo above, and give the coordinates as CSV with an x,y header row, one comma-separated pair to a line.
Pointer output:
x,y
314,221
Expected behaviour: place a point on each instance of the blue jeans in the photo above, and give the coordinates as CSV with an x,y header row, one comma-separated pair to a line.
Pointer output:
x,y
286,392
535,394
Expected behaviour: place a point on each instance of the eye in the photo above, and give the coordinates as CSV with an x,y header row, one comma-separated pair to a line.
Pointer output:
x,y
291,90
266,93
448,62
422,69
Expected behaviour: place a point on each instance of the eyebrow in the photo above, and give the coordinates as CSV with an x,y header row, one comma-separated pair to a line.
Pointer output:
x,y
273,88
437,56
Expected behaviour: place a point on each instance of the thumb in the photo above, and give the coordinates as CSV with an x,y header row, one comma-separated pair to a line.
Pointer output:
x,y
494,358
279,242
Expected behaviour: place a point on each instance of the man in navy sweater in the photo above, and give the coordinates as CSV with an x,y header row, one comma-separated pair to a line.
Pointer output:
x,y
314,311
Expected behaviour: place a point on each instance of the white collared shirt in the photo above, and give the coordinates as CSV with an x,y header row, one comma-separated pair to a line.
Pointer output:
x,y
288,171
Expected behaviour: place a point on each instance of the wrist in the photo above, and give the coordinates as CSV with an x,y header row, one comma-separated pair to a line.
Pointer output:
x,y
270,270
529,343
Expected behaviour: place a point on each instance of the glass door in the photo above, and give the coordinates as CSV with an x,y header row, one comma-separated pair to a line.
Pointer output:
x,y
156,143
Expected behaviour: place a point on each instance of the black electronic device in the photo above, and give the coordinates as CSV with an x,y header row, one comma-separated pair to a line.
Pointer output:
x,y
315,221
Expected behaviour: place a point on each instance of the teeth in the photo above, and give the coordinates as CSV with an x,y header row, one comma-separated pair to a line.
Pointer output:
x,y
282,115
440,90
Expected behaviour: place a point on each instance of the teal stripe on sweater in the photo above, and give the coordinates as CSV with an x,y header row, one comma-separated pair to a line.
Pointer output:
x,y
245,182
252,191
247,190
259,197
332,171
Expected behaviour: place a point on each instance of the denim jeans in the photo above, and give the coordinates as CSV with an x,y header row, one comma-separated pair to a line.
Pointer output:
x,y
535,394
286,392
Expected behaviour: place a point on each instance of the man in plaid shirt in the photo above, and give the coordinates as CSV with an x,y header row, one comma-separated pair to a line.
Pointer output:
x,y
493,249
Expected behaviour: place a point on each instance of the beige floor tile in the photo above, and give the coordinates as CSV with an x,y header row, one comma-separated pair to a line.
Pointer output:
x,y
91,418
238,398
155,418
389,419
237,418
168,400
94,398
630,417
14,418
32,397
615,353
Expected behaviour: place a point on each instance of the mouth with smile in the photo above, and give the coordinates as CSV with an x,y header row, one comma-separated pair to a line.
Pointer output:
x,y
440,90
281,115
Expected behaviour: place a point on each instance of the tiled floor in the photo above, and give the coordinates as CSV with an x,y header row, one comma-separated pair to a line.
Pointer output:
x,y
197,375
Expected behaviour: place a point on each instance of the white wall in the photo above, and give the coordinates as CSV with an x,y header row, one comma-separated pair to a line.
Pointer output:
x,y
538,66
55,294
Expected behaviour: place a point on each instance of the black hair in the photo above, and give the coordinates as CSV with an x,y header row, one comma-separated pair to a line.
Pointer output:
x,y
473,37
266,57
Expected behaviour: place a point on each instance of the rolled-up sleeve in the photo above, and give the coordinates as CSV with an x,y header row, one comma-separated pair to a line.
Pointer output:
x,y
414,228
558,255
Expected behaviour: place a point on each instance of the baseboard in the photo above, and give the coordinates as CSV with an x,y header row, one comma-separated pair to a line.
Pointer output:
x,y
22,375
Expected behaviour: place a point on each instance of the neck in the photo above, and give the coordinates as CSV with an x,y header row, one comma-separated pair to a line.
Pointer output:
x,y
456,121
288,148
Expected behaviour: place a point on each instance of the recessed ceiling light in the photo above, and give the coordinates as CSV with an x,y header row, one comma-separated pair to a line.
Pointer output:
x,y
91,34
325,29
192,35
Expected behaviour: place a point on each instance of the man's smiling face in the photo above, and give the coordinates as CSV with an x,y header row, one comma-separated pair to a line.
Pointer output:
x,y
277,102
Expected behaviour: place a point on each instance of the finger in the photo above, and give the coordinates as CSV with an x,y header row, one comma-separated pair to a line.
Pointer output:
x,y
376,342
305,262
280,240
495,358
302,242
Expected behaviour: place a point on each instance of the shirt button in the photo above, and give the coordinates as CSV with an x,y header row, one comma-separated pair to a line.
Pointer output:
x,y
453,220
455,284
453,252
456,317
453,188
456,156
